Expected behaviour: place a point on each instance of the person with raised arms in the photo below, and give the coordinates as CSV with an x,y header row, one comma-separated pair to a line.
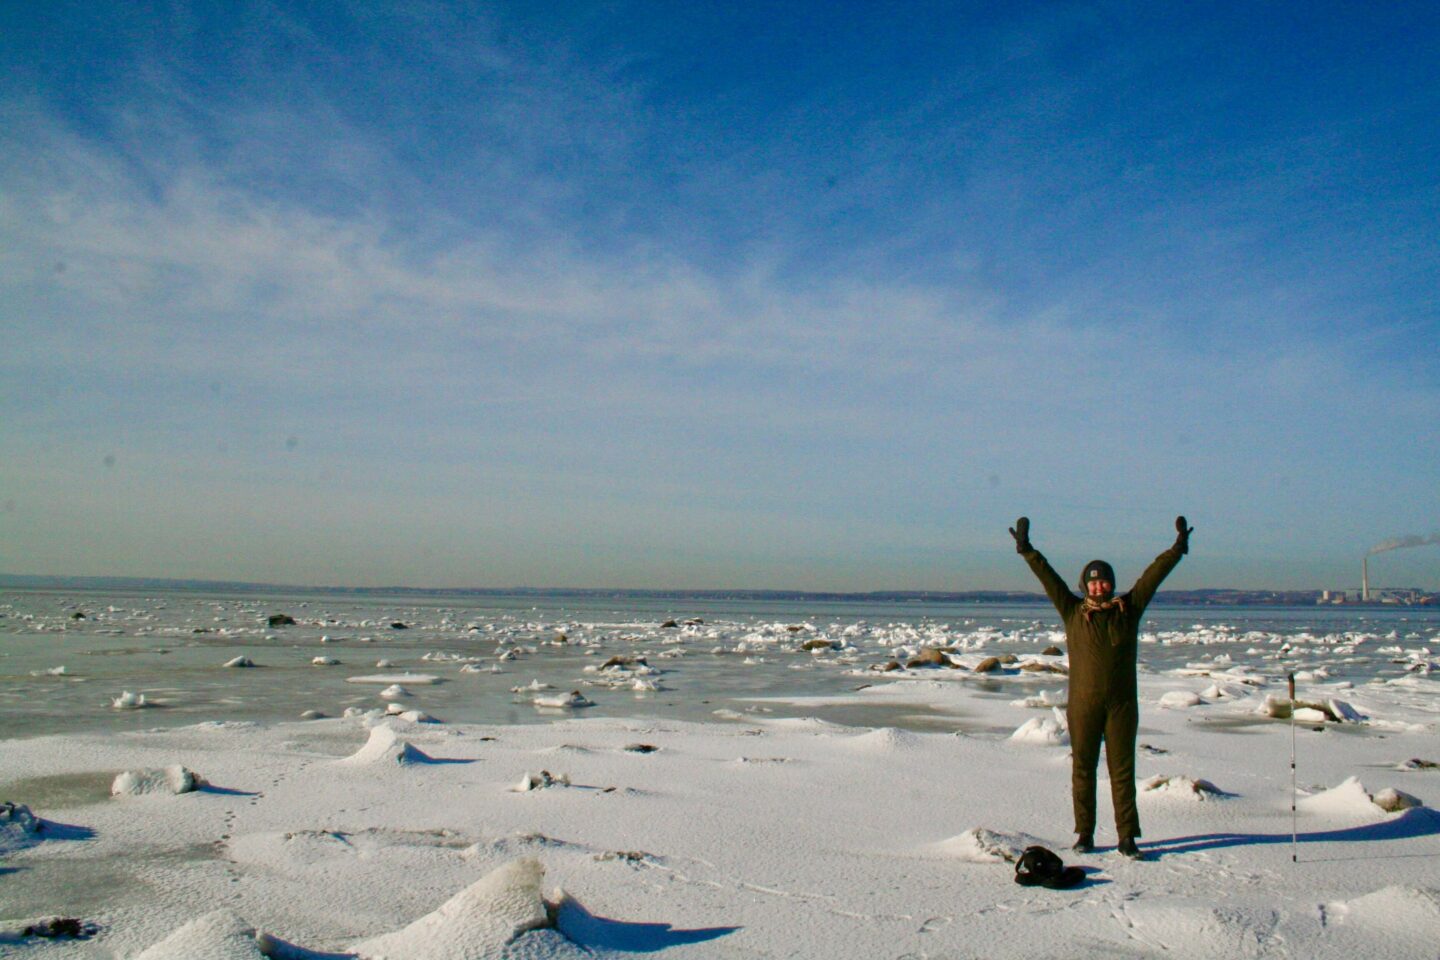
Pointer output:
x,y
1102,636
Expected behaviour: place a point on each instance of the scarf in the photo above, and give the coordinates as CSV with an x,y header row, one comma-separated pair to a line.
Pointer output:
x,y
1089,606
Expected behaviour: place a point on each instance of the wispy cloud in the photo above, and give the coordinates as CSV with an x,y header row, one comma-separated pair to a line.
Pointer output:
x,y
521,297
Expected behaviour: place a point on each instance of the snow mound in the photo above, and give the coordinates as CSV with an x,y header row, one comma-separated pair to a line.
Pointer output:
x,y
1180,700
1185,927
1349,799
415,679
979,845
220,935
885,739
1181,788
478,922
165,780
385,747
129,700
18,827
1412,907
1044,731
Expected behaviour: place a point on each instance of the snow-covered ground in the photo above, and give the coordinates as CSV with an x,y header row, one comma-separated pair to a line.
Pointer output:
x,y
771,838
767,830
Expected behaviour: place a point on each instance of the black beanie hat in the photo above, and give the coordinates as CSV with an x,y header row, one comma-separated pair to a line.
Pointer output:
x,y
1097,570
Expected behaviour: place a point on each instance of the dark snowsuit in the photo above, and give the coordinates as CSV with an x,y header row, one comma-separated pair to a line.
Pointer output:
x,y
1103,701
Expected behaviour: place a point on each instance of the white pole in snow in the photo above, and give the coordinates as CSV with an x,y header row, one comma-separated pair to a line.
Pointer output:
x,y
1293,792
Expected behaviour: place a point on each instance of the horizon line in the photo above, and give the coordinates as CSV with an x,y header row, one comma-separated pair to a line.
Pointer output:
x,y
70,581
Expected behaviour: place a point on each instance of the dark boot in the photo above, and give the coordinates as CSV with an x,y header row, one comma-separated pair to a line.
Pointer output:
x,y
1128,848
1084,843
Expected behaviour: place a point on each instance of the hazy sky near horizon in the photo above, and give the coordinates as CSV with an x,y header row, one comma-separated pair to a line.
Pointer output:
x,y
803,295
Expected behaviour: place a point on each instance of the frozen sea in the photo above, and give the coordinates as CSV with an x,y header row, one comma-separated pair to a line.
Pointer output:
x,y
747,781
66,656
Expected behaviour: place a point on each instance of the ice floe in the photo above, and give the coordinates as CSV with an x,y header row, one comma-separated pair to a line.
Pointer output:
x,y
564,701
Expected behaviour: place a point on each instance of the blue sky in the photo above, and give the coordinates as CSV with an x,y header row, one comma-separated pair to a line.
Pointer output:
x,y
814,296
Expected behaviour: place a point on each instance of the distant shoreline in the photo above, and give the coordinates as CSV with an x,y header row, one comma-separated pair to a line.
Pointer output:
x,y
1202,597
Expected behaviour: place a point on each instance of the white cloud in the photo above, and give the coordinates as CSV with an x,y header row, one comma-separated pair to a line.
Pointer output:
x,y
688,407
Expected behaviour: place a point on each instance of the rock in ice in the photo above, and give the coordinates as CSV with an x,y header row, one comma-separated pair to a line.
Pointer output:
x,y
1393,801
1181,787
541,780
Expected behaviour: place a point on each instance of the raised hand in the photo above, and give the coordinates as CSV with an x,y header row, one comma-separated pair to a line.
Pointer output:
x,y
1182,534
1021,533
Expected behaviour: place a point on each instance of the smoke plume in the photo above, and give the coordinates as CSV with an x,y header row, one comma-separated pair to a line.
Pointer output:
x,y
1400,543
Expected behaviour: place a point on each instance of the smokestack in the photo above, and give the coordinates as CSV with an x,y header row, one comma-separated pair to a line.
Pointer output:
x,y
1397,543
